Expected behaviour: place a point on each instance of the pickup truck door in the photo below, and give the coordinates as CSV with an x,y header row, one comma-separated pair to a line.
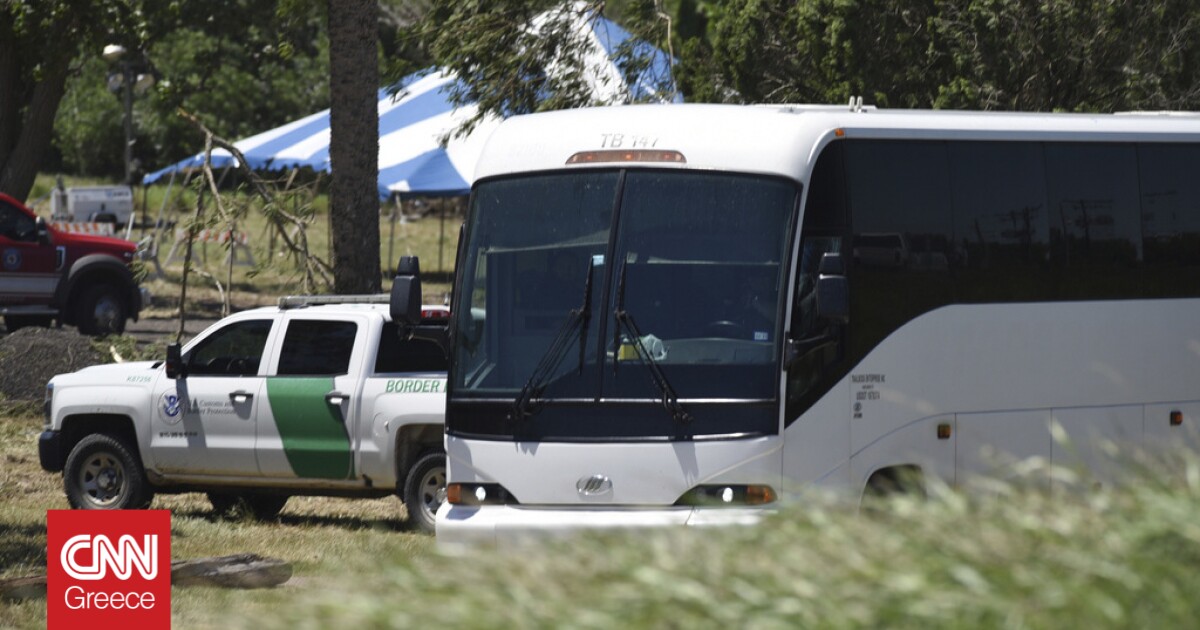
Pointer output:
x,y
305,429
204,422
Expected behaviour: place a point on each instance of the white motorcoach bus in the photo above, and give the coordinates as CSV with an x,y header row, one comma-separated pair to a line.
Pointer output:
x,y
682,314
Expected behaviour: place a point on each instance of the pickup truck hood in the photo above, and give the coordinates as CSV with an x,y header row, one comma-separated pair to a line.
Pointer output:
x,y
108,374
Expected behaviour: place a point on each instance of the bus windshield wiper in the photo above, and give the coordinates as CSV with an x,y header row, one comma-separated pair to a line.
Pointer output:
x,y
670,399
576,323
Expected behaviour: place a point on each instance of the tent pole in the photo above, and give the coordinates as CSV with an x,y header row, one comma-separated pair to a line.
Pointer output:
x,y
392,232
441,235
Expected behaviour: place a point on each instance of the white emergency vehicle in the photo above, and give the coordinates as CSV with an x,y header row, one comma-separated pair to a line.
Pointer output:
x,y
322,395
680,314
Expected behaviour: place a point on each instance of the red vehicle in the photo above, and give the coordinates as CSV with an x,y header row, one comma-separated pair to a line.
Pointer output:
x,y
48,275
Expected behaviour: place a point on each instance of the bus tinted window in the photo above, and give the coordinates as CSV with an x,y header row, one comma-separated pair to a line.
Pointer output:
x,y
1095,232
1001,228
902,235
702,257
819,364
1170,219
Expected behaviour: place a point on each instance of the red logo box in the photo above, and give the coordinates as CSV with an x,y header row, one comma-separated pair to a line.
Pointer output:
x,y
108,569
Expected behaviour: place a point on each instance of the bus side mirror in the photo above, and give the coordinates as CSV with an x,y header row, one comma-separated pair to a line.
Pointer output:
x,y
833,292
175,367
405,303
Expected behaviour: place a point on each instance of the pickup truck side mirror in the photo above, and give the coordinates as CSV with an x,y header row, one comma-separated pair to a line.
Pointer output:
x,y
833,292
43,232
405,306
175,366
405,303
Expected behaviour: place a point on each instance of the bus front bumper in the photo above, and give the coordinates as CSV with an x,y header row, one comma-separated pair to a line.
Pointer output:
x,y
463,526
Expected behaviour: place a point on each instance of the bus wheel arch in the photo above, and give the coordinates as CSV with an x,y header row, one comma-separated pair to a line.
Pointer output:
x,y
901,479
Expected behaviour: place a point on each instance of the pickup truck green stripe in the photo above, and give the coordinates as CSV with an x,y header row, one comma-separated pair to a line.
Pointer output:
x,y
314,437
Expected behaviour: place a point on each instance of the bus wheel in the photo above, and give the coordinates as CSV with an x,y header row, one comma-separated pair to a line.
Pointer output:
x,y
425,491
888,482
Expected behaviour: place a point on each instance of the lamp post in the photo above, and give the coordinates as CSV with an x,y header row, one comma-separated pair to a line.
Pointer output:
x,y
128,81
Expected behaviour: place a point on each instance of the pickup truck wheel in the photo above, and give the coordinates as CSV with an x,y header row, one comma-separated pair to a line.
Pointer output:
x,y
263,507
101,311
102,474
425,491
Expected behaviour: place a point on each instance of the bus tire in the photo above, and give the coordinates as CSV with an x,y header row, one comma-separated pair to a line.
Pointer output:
x,y
896,480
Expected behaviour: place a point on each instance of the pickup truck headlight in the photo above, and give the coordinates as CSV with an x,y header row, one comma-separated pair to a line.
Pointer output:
x,y
47,404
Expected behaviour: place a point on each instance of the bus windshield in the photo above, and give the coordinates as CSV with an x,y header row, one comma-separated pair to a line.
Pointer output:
x,y
579,287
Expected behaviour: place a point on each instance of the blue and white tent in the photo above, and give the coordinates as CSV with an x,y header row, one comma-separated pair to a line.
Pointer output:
x,y
411,158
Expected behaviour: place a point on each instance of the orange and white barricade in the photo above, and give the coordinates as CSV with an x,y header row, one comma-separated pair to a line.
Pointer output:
x,y
96,228
238,242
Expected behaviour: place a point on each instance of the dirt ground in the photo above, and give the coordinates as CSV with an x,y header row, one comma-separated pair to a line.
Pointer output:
x,y
31,356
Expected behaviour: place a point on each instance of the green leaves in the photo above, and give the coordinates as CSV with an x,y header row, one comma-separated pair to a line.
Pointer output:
x,y
1071,55
518,57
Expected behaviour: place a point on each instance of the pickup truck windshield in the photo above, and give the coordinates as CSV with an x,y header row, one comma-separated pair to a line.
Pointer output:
x,y
702,257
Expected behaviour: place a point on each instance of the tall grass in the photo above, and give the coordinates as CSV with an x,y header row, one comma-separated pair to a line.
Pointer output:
x,y
1016,557
1013,556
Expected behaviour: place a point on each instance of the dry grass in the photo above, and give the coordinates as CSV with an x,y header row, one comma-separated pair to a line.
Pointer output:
x,y
315,534
274,273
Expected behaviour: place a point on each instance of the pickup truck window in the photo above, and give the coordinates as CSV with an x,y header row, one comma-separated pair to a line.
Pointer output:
x,y
407,355
317,348
235,350
15,224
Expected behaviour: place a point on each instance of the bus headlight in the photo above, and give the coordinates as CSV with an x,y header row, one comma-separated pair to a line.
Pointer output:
x,y
478,494
728,494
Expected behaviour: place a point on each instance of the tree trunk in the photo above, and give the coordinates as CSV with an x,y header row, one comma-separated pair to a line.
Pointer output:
x,y
354,145
9,85
17,173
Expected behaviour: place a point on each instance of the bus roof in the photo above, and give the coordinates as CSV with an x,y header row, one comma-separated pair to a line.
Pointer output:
x,y
782,139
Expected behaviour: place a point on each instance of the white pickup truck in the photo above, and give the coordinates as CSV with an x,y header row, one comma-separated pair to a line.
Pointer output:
x,y
323,395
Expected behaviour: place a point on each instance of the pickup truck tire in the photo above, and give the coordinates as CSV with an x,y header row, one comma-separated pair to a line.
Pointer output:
x,y
425,490
101,311
102,473
263,507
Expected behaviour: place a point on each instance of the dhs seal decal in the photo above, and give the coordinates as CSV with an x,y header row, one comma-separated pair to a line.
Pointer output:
x,y
12,259
170,408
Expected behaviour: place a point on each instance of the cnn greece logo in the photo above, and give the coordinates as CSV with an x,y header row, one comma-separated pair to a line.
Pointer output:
x,y
122,557
108,569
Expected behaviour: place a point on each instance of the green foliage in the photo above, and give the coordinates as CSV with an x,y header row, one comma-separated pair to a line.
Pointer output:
x,y
1070,55
508,63
241,66
1076,55
88,130
39,41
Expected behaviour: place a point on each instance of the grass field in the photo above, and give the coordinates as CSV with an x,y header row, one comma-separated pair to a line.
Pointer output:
x,y
1124,557
318,535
